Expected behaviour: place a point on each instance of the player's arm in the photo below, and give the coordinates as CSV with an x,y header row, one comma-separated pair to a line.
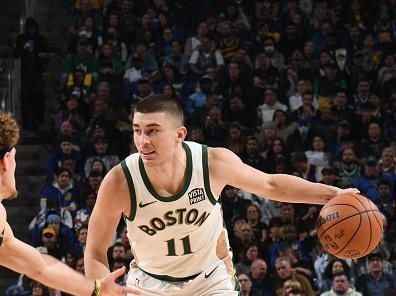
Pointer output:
x,y
23,258
225,166
109,206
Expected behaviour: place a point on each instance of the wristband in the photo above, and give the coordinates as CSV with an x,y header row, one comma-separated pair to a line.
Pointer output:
x,y
96,290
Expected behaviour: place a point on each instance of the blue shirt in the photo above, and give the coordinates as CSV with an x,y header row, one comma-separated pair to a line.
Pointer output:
x,y
369,286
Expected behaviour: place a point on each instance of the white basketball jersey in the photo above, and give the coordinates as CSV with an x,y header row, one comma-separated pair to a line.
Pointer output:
x,y
175,237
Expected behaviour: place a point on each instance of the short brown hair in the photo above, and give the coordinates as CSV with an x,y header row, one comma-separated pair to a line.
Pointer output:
x,y
9,131
161,103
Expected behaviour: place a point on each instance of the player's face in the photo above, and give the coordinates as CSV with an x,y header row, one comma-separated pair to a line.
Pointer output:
x,y
8,178
156,136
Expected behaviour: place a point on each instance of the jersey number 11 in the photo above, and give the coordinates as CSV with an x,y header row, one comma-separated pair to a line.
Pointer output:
x,y
186,246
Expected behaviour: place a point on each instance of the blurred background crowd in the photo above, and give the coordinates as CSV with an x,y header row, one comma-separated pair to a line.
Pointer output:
x,y
302,87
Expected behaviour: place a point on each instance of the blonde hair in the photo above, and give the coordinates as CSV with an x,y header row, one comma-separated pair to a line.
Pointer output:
x,y
295,287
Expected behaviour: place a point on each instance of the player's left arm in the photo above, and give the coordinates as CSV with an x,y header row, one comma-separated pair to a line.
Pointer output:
x,y
226,168
25,259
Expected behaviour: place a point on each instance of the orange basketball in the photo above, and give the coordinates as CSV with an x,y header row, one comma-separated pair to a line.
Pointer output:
x,y
349,226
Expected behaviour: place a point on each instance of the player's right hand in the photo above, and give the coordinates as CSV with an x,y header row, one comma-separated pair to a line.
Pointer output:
x,y
110,288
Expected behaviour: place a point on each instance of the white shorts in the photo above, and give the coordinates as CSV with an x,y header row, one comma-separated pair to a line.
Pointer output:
x,y
216,280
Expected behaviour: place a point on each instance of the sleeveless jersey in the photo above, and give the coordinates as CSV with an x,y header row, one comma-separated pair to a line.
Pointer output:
x,y
175,238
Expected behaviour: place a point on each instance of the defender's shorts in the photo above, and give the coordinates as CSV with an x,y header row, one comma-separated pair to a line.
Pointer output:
x,y
216,280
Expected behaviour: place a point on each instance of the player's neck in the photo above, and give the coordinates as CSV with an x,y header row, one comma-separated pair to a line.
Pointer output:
x,y
3,194
174,168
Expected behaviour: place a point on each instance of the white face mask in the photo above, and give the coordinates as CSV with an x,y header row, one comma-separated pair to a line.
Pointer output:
x,y
269,49
303,129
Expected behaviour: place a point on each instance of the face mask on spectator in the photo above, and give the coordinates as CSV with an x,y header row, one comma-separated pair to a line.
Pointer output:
x,y
303,129
269,49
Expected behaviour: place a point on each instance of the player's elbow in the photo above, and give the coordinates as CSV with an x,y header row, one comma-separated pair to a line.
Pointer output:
x,y
272,187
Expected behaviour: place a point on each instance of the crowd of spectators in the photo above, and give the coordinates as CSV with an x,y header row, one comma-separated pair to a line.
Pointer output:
x,y
303,87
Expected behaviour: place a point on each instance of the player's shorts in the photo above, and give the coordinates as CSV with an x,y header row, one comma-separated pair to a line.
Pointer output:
x,y
216,280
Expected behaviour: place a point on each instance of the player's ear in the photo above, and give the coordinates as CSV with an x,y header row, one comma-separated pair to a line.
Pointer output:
x,y
5,161
181,134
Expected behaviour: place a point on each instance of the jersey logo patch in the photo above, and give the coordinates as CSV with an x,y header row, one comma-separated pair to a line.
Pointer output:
x,y
196,195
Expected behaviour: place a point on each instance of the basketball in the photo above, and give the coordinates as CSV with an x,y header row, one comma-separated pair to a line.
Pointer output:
x,y
349,226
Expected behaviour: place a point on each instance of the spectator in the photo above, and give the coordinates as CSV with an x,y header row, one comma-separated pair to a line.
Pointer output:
x,y
235,139
270,105
342,107
292,288
360,98
284,273
334,268
326,87
83,214
62,190
80,265
194,42
330,177
176,58
291,247
285,125
50,243
374,143
348,168
204,57
82,60
250,255
302,168
72,111
149,63
261,280
318,156
246,286
237,110
101,151
253,218
385,202
367,182
30,48
376,281
38,289
251,154
229,41
198,98
81,238
341,286
232,81
215,130
93,182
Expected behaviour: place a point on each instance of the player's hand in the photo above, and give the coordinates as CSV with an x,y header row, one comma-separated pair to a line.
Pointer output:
x,y
110,288
348,191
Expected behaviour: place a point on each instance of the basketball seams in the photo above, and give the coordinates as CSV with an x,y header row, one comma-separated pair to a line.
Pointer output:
x,y
359,213
369,221
340,204
376,219
353,235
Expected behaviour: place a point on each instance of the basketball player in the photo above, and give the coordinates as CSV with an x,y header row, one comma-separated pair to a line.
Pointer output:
x,y
168,193
23,258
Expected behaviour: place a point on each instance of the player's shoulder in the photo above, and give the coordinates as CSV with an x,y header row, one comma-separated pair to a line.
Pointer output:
x,y
115,178
219,154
